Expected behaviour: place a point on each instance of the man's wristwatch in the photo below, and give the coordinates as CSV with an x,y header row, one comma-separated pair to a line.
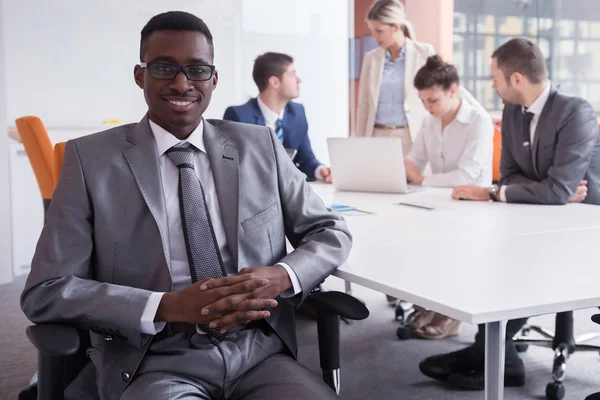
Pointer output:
x,y
494,192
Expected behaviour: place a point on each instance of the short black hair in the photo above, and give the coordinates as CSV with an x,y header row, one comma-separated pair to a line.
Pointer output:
x,y
175,21
522,56
268,65
436,72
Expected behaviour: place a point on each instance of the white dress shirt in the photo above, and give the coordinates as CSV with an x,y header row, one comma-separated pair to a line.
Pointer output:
x,y
180,269
271,117
536,109
460,153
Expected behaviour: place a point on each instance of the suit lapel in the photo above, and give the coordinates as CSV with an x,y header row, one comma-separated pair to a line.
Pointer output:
x,y
143,161
376,78
224,164
410,57
288,127
259,119
540,134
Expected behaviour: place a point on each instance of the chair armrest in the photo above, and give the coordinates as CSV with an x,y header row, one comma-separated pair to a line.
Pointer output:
x,y
338,303
330,307
596,318
54,340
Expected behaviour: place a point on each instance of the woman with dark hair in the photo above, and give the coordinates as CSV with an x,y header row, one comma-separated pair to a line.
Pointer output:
x,y
456,139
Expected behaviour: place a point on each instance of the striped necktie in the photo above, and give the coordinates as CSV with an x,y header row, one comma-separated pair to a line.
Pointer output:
x,y
279,129
527,145
200,241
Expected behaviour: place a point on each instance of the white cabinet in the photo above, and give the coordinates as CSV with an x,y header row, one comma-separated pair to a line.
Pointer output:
x,y
27,209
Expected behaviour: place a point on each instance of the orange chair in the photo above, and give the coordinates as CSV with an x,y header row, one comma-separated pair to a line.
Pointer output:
x,y
59,156
39,151
496,154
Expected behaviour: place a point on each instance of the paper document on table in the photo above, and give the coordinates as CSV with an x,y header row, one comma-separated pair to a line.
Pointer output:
x,y
348,210
424,205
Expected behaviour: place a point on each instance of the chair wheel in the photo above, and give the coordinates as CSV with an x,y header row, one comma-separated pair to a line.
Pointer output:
x,y
404,315
555,391
522,348
404,332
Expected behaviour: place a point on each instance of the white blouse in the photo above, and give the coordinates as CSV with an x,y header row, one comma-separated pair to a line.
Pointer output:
x,y
461,153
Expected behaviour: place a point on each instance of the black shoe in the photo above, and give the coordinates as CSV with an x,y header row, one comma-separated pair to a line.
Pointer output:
x,y
595,396
29,393
440,367
514,375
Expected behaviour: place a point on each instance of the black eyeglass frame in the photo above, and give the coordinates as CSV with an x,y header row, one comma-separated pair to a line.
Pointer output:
x,y
178,69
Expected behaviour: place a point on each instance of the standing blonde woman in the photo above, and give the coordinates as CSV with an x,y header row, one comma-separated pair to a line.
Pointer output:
x,y
388,103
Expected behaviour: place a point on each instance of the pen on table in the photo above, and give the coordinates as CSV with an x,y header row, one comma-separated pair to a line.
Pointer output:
x,y
416,206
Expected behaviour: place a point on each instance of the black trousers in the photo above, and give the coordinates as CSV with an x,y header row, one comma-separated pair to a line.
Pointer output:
x,y
512,327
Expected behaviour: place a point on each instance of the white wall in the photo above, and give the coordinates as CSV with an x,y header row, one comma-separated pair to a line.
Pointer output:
x,y
5,231
315,33
70,62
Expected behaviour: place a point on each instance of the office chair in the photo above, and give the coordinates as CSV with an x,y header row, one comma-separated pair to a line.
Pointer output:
x,y
62,348
38,147
562,342
57,164
497,152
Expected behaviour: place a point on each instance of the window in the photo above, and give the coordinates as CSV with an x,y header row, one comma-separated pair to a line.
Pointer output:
x,y
567,31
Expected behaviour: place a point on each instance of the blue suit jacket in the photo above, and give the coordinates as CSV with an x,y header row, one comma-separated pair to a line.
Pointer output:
x,y
295,131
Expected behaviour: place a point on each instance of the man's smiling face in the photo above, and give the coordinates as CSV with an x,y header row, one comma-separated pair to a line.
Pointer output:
x,y
177,105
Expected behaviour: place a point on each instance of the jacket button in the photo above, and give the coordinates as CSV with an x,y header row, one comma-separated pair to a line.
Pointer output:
x,y
125,376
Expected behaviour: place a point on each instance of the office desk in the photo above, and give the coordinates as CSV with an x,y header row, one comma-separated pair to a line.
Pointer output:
x,y
474,261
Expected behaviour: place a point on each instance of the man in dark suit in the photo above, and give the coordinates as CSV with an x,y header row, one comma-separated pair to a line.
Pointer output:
x,y
276,79
550,155
166,240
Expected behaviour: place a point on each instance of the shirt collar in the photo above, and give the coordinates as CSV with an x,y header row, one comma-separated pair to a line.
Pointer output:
x,y
388,55
538,105
465,112
269,115
165,140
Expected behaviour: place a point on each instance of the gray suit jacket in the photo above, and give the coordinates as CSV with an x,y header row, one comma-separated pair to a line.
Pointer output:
x,y
104,248
566,149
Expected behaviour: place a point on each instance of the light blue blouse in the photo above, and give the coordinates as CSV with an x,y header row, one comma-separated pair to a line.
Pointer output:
x,y
390,109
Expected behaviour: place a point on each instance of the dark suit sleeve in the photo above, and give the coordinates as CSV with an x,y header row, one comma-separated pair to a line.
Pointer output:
x,y
307,162
60,287
231,115
510,172
576,139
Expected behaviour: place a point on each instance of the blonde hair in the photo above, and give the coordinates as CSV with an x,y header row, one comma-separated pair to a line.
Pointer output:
x,y
391,12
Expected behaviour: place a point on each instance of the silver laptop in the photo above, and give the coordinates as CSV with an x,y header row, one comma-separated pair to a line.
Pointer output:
x,y
368,164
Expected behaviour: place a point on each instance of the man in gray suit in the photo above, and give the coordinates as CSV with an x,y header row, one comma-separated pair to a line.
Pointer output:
x,y
166,239
550,155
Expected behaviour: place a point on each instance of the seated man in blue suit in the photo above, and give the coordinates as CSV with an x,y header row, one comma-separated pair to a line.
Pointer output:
x,y
275,76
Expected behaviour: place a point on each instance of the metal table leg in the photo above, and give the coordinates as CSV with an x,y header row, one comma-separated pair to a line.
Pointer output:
x,y
348,287
494,360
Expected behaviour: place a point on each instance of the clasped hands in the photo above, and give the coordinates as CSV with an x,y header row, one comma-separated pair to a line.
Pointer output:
x,y
228,301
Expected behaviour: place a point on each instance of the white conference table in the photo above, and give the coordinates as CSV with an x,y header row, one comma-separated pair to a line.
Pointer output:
x,y
479,262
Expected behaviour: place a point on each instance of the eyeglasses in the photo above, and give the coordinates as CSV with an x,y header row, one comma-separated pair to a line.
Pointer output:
x,y
169,71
